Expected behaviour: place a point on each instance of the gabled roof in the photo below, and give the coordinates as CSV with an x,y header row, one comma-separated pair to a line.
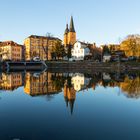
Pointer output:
x,y
82,43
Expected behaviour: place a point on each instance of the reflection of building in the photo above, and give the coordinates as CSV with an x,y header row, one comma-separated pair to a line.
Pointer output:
x,y
39,84
70,95
80,51
10,50
70,34
39,46
106,76
11,81
79,81
106,57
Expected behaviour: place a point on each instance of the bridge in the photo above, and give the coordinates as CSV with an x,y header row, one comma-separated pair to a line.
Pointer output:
x,y
31,65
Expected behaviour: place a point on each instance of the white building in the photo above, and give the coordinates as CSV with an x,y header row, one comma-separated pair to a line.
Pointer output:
x,y
79,81
80,50
106,57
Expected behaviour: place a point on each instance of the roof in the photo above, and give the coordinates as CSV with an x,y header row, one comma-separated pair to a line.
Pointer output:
x,y
67,29
72,25
83,43
6,43
51,38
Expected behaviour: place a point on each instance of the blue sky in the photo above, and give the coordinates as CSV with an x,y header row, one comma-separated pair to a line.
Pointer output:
x,y
100,21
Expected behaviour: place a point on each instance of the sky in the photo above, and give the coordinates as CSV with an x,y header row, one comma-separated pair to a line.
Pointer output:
x,y
99,21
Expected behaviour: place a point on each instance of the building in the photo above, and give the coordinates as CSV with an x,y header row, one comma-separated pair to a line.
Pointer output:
x,y
80,51
96,52
11,81
39,46
106,57
79,81
10,50
39,84
70,34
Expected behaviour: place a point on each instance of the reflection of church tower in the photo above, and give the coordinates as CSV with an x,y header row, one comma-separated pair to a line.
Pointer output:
x,y
70,95
70,34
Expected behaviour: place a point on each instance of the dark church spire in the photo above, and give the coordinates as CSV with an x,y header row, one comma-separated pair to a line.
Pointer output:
x,y
67,29
72,25
71,103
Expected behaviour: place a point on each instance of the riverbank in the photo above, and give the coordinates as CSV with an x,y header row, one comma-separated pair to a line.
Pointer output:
x,y
85,66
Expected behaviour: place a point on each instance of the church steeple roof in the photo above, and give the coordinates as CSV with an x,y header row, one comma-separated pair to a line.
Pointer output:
x,y
72,25
67,29
71,103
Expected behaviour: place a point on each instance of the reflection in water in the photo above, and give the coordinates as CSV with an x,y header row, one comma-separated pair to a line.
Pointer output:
x,y
39,84
71,111
10,81
48,83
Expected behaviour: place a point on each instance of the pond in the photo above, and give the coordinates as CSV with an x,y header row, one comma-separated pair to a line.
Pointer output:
x,y
69,106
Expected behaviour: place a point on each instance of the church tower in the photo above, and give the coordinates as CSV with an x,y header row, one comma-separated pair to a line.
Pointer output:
x,y
70,34
66,36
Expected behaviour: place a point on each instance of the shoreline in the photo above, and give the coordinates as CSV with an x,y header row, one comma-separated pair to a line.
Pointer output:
x,y
88,66
94,65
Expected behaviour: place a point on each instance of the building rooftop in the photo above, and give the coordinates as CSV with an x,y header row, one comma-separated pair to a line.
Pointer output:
x,y
83,43
72,29
6,43
67,29
50,37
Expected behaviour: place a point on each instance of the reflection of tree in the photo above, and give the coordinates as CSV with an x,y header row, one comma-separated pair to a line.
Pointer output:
x,y
49,97
131,86
96,78
58,82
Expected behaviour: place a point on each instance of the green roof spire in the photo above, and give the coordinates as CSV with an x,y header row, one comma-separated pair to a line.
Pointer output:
x,y
72,25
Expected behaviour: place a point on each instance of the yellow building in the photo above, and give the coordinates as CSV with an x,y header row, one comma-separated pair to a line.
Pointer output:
x,y
39,84
70,34
11,81
39,46
10,50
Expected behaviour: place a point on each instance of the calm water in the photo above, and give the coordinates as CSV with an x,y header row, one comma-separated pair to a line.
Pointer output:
x,y
69,106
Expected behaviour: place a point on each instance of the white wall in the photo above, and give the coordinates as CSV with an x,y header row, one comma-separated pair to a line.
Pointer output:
x,y
79,51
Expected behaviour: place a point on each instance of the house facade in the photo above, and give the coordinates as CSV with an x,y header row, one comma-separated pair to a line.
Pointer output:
x,y
79,81
79,51
10,50
39,46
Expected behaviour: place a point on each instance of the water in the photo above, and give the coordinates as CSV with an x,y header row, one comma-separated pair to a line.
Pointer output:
x,y
47,105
